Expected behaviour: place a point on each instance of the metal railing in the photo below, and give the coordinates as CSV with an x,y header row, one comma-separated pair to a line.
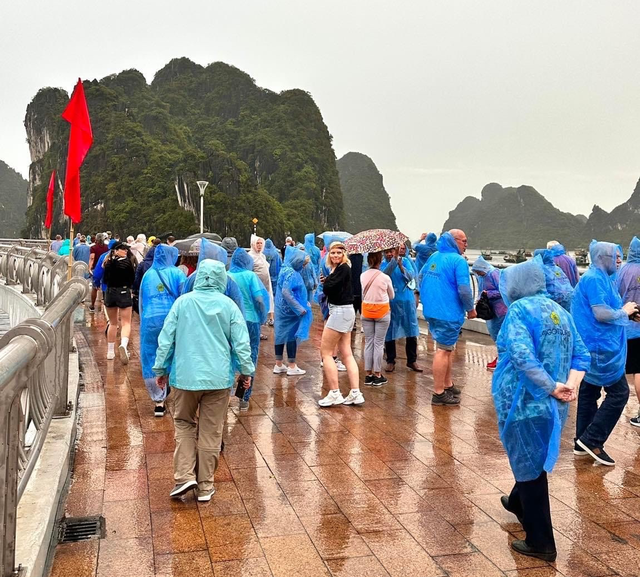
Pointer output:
x,y
34,371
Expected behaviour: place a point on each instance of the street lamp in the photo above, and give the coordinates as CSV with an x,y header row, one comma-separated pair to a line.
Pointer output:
x,y
202,184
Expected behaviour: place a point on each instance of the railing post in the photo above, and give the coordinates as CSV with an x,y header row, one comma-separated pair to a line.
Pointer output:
x,y
60,373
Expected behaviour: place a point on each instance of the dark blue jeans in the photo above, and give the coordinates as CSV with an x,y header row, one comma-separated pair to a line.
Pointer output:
x,y
593,424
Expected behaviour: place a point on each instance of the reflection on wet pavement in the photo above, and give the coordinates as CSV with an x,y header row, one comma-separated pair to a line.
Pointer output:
x,y
395,487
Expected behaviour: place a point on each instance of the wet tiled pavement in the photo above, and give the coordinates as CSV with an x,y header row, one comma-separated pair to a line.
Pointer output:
x,y
395,487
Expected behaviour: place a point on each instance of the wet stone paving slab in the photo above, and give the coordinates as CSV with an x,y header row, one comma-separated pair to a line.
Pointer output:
x,y
395,487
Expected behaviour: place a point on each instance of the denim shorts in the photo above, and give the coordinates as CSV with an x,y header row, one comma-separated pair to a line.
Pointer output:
x,y
341,318
445,333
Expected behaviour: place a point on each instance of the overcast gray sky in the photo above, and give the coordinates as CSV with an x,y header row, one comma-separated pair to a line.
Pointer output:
x,y
444,96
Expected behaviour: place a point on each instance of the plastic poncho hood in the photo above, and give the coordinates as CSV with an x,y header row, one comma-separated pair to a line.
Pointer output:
x,y
210,250
294,258
628,284
270,251
312,250
481,265
545,254
446,243
603,256
211,275
425,250
241,261
633,256
522,280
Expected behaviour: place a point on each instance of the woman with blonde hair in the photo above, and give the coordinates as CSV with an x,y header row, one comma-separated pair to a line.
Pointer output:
x,y
338,289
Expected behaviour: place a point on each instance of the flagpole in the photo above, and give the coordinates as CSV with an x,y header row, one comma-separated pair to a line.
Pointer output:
x,y
70,258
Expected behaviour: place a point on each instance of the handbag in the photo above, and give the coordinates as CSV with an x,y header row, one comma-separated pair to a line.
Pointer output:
x,y
483,308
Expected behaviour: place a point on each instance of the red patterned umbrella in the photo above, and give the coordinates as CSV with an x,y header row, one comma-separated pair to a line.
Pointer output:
x,y
375,240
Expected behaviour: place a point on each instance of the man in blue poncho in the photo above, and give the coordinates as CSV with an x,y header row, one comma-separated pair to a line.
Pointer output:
x,y
309,275
203,334
272,254
489,283
541,361
256,306
312,250
445,292
601,319
404,315
424,248
159,289
293,316
558,285
210,250
628,285
564,261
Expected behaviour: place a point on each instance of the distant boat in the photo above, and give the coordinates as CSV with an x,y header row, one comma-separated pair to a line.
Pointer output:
x,y
486,254
528,253
582,257
515,258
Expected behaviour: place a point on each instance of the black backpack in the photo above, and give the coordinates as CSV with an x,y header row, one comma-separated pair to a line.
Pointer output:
x,y
483,308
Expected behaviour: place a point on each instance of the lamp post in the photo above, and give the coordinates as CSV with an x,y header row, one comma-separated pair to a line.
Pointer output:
x,y
202,184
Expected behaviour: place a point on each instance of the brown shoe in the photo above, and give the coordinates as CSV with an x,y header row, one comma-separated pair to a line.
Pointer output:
x,y
415,367
390,368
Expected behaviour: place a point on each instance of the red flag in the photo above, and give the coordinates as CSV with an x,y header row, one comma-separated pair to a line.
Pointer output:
x,y
80,140
52,186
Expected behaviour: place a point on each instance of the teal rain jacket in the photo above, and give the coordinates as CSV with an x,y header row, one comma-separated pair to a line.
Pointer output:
x,y
254,294
597,311
312,250
404,315
628,283
293,316
160,287
559,287
203,331
210,250
445,289
537,347
424,250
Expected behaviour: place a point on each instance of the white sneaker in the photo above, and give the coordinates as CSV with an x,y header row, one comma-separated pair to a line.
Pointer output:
x,y
279,370
354,398
111,355
341,366
124,355
332,398
296,372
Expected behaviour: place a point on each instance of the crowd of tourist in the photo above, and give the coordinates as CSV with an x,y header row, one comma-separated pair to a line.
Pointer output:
x,y
559,337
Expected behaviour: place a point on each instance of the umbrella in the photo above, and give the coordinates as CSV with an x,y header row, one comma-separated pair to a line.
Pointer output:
x,y
375,240
188,246
329,236
212,236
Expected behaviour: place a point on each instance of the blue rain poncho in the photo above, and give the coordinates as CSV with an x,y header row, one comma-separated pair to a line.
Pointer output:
x,y
404,315
319,296
210,250
160,287
445,289
628,284
230,244
272,254
254,293
490,283
98,272
312,250
597,311
558,285
142,268
293,316
202,334
424,250
566,263
309,275
537,347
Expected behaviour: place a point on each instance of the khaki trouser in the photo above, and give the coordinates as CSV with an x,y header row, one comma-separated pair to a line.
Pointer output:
x,y
198,443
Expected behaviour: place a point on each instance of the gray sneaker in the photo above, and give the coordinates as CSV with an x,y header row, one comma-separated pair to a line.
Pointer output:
x,y
182,488
445,398
243,405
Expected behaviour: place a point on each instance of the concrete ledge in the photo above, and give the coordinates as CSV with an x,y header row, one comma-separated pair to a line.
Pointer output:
x,y
37,511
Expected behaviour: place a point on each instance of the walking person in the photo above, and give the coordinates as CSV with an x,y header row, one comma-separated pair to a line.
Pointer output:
x,y
139,248
541,362
377,292
160,288
601,319
337,332
558,285
489,283
95,252
119,274
446,294
202,334
256,306
564,261
56,244
628,285
261,268
292,313
424,248
81,251
404,314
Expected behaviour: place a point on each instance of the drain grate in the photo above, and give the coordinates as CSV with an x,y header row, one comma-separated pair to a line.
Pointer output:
x,y
81,528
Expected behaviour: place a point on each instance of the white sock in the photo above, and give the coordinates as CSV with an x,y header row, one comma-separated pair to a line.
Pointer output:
x,y
354,391
334,392
124,342
111,347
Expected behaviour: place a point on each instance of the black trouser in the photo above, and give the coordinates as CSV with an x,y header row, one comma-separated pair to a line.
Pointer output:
x,y
411,348
292,349
529,500
593,424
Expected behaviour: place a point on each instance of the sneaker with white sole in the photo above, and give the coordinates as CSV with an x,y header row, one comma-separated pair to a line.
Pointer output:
x,y
598,454
341,366
354,398
332,398
279,370
205,496
182,488
111,355
635,421
243,405
124,355
296,372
